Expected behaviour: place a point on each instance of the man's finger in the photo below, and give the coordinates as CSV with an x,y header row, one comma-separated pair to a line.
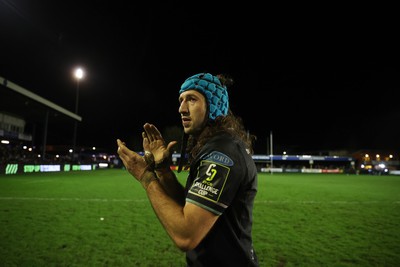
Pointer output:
x,y
122,149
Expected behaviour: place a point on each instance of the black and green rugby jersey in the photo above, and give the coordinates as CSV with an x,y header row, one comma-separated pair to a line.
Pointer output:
x,y
223,180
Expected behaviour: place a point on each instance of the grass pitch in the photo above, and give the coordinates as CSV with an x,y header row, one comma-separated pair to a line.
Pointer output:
x,y
103,218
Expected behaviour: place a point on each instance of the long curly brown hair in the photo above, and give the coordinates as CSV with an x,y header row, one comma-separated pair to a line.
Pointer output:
x,y
231,124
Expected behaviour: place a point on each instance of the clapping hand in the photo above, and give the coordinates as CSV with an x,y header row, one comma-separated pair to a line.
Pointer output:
x,y
154,142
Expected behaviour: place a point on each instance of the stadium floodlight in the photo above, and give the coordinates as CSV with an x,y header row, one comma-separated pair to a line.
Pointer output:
x,y
79,74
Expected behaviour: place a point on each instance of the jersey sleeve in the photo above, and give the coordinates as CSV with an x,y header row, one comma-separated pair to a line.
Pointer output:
x,y
215,184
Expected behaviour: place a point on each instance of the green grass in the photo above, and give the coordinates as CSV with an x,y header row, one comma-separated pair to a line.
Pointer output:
x,y
54,219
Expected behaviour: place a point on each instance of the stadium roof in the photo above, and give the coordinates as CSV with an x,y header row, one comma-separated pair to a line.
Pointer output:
x,y
21,102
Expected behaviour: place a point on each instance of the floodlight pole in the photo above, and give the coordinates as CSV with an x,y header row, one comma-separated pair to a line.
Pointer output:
x,y
76,122
78,75
272,161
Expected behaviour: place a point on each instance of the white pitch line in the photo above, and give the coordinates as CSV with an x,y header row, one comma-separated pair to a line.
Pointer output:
x,y
73,199
339,202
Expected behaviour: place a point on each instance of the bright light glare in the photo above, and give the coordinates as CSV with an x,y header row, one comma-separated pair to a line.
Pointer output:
x,y
79,73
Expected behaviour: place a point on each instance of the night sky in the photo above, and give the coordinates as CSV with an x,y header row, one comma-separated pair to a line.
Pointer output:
x,y
318,77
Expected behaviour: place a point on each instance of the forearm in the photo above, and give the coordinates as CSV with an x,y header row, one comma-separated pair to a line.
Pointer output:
x,y
167,177
185,223
170,214
171,185
147,178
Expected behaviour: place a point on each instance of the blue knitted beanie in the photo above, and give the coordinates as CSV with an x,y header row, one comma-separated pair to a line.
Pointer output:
x,y
210,86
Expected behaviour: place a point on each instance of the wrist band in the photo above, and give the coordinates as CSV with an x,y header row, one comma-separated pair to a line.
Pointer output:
x,y
146,179
163,164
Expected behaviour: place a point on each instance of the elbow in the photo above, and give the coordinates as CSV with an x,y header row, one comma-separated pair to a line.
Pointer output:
x,y
186,244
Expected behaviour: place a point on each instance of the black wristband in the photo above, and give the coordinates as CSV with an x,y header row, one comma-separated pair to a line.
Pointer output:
x,y
162,165
146,179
